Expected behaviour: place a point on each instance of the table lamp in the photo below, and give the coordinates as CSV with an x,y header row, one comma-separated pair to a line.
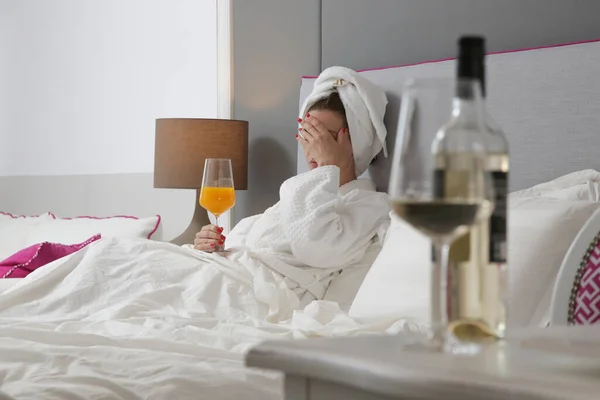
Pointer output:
x,y
182,145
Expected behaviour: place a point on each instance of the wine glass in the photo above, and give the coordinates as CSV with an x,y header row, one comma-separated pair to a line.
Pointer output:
x,y
217,194
438,183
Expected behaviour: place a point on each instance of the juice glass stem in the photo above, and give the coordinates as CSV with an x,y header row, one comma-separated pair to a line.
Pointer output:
x,y
218,247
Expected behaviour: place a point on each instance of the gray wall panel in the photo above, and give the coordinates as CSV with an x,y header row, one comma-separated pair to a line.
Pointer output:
x,y
374,33
278,41
275,42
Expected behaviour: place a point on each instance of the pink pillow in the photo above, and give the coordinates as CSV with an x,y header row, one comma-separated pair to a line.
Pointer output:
x,y
22,263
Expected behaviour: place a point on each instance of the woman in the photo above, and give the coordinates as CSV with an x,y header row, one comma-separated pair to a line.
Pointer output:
x,y
326,218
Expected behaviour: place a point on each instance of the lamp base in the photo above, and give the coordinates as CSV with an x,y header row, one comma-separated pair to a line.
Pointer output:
x,y
199,219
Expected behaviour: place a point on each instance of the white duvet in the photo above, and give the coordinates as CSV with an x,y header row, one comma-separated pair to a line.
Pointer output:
x,y
137,319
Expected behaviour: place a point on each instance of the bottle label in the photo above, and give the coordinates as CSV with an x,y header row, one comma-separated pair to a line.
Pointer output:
x,y
498,219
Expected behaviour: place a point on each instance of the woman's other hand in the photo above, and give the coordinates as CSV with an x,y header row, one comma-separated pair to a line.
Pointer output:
x,y
210,238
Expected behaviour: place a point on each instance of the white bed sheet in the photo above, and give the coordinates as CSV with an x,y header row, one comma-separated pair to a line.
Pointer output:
x,y
6,284
137,319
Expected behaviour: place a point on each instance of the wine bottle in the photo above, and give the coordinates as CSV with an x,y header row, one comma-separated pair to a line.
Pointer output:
x,y
459,151
490,236
477,260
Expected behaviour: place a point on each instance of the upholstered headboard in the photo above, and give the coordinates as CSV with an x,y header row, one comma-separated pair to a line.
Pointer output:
x,y
546,99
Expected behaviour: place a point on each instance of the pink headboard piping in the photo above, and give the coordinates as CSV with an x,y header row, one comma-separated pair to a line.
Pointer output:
x,y
158,218
497,52
25,216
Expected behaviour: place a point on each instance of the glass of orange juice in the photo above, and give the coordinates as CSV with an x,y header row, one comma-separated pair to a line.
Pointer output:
x,y
217,194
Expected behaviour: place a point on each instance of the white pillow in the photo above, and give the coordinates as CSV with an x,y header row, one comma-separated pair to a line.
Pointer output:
x,y
343,288
540,231
580,185
15,229
397,283
76,230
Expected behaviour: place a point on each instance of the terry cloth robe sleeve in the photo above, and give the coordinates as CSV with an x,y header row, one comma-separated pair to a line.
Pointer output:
x,y
326,227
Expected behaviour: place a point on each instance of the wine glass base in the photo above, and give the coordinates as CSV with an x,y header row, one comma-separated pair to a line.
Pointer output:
x,y
423,341
441,342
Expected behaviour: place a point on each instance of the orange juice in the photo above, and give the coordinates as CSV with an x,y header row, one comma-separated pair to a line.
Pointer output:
x,y
217,200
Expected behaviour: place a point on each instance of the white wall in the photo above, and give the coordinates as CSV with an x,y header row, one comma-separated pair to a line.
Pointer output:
x,y
82,81
4,40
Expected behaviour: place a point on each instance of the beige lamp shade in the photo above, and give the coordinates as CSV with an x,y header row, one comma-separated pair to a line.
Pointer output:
x,y
182,145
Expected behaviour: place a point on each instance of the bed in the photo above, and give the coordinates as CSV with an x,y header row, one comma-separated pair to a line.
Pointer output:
x,y
112,321
546,101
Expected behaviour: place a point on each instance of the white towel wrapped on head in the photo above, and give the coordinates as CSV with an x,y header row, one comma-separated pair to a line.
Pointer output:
x,y
365,105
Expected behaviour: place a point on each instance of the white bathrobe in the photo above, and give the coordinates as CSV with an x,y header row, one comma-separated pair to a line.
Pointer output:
x,y
315,230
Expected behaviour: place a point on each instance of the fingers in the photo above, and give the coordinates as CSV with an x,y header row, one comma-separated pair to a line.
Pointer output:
x,y
315,124
302,134
210,231
302,140
210,235
215,236
308,131
209,238
311,128
206,244
213,228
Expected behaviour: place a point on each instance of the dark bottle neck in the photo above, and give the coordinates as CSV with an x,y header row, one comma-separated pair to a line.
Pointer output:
x,y
471,61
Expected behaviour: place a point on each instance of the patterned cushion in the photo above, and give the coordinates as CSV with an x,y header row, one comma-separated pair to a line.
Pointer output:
x,y
585,304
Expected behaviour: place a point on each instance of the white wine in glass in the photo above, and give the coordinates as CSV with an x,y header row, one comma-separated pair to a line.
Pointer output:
x,y
438,183
438,218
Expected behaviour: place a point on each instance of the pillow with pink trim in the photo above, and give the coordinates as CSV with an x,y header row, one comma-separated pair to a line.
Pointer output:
x,y
21,264
15,229
77,229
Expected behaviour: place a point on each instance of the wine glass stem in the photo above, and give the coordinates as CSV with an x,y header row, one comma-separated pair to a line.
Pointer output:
x,y
439,290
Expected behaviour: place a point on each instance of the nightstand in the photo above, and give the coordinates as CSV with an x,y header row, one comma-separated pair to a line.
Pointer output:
x,y
542,364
